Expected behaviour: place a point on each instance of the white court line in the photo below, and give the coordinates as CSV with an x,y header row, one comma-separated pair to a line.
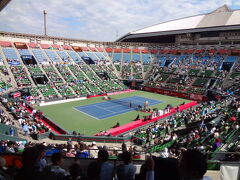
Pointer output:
x,y
89,114
120,113
113,112
86,113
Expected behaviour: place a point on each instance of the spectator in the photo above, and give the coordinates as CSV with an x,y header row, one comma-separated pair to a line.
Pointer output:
x,y
127,170
165,153
94,150
193,165
147,170
76,173
4,175
101,169
70,152
11,131
2,148
30,170
42,161
25,129
217,144
82,153
54,171
10,147
159,169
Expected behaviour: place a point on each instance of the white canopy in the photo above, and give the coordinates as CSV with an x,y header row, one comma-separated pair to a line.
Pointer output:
x,y
222,16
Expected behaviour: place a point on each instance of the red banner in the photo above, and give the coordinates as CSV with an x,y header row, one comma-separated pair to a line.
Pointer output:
x,y
197,97
120,92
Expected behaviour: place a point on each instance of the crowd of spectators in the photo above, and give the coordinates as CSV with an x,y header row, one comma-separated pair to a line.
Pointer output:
x,y
137,71
202,138
51,73
28,122
5,119
93,86
36,166
203,61
20,76
66,74
65,90
48,91
126,72
181,75
4,70
204,135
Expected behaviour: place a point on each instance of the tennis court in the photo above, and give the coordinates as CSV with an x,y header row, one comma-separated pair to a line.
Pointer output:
x,y
115,107
67,116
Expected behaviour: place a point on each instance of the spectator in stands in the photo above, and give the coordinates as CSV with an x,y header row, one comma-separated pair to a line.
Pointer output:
x,y
147,170
76,173
4,175
165,153
42,161
2,147
82,152
94,150
101,169
114,153
29,169
124,147
69,142
54,171
11,131
10,147
159,169
135,153
70,152
127,170
193,165
25,129
217,144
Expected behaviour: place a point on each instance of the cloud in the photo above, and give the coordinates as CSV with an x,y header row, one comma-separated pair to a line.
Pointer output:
x,y
98,19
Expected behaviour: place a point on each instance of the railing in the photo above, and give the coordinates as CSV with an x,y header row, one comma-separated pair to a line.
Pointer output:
x,y
16,160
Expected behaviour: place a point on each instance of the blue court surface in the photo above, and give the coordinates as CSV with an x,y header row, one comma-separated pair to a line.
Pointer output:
x,y
115,107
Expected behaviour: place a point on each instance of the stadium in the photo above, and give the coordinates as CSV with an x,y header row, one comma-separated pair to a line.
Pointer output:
x,y
164,90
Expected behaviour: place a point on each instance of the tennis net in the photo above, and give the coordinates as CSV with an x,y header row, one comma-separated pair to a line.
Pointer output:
x,y
127,102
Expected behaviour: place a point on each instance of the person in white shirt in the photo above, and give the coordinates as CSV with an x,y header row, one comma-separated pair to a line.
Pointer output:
x,y
165,154
94,150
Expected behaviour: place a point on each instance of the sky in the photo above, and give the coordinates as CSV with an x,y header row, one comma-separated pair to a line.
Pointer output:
x,y
99,20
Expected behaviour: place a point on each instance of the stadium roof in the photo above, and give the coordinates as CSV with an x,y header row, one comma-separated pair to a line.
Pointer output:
x,y
221,17
3,4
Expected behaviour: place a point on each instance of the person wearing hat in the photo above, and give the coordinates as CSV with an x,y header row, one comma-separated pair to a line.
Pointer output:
x,y
94,150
